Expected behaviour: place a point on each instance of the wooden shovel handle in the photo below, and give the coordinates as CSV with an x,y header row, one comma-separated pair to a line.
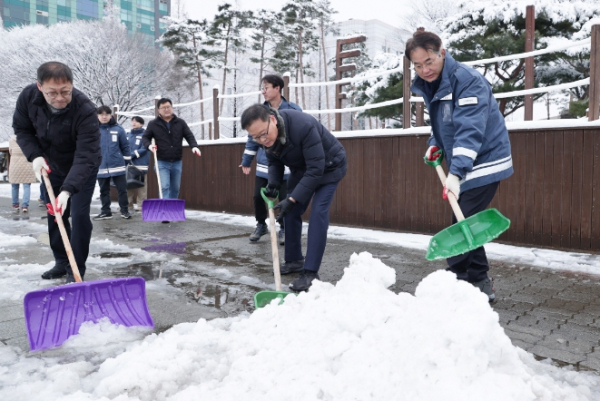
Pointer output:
x,y
274,250
451,198
156,170
61,227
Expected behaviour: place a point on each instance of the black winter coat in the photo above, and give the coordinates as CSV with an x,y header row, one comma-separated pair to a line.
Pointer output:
x,y
68,140
169,142
314,156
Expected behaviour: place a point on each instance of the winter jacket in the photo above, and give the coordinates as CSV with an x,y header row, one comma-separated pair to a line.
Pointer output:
x,y
69,140
168,140
139,154
115,150
314,156
253,148
20,170
468,126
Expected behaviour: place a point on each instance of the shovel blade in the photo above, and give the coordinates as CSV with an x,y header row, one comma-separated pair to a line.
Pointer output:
x,y
163,210
54,314
264,298
482,228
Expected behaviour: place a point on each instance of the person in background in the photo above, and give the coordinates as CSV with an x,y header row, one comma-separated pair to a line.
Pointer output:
x,y
57,129
168,131
467,125
115,156
272,89
317,161
140,158
19,173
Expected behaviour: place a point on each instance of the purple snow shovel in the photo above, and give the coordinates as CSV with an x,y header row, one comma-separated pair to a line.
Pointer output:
x,y
54,314
162,209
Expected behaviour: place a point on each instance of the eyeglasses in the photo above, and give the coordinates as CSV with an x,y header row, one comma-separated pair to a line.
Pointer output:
x,y
419,67
261,138
53,95
265,88
165,107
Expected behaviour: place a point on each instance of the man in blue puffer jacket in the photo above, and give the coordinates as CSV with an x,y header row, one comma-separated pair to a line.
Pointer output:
x,y
140,157
467,125
115,156
272,87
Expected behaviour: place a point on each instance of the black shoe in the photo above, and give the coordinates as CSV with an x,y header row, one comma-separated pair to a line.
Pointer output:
x,y
57,271
487,287
166,222
281,237
71,279
261,229
292,267
305,280
103,216
126,215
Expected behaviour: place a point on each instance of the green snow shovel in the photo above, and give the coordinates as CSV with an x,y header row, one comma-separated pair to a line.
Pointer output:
x,y
466,234
265,297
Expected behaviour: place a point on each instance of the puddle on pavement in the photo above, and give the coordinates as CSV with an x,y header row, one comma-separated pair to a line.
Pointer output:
x,y
231,298
175,247
111,255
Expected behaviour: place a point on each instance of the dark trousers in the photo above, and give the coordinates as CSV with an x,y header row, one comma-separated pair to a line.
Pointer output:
x,y
318,224
260,207
473,266
80,231
121,184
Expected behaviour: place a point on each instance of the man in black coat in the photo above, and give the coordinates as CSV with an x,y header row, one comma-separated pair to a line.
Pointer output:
x,y
168,132
57,129
317,161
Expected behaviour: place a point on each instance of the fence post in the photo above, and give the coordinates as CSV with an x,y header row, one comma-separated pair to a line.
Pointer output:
x,y
116,112
216,110
210,131
594,102
406,93
529,46
156,99
286,85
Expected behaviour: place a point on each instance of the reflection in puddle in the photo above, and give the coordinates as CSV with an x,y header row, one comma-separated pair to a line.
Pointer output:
x,y
175,247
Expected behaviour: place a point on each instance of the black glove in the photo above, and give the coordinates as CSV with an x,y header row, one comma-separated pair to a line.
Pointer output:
x,y
272,191
285,206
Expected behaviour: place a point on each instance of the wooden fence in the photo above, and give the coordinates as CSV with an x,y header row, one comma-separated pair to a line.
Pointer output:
x,y
552,200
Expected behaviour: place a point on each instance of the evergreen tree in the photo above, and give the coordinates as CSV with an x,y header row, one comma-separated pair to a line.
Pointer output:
x,y
227,28
189,41
264,25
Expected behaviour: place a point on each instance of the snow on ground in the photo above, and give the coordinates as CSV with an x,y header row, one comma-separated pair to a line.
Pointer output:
x,y
355,340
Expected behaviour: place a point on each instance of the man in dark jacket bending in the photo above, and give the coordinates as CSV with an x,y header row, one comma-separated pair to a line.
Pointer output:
x,y
317,161
168,132
57,129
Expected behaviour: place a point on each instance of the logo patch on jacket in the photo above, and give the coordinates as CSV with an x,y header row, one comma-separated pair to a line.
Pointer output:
x,y
467,101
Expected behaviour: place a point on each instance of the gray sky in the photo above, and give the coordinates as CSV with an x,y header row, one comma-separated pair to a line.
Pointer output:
x,y
388,11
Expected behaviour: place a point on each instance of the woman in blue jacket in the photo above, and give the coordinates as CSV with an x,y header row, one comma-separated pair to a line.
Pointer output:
x,y
467,125
115,156
140,158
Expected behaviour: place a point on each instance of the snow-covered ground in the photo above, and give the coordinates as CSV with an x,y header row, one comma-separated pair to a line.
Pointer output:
x,y
355,340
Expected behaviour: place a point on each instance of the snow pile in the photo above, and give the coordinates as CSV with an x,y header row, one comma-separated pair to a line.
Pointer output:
x,y
356,340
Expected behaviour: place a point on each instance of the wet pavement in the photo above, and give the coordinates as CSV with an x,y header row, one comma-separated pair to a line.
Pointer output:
x,y
212,271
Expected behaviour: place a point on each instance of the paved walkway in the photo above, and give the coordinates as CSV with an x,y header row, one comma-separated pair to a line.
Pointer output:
x,y
215,271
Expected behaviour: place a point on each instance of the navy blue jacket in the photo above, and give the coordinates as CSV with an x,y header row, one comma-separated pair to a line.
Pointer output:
x,y
314,156
467,125
115,150
140,156
253,148
168,140
68,140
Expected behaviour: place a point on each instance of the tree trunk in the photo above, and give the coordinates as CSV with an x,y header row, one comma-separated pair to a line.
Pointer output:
x,y
262,62
224,69
200,91
325,71
301,72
